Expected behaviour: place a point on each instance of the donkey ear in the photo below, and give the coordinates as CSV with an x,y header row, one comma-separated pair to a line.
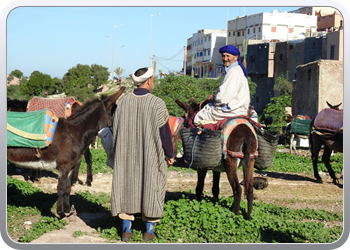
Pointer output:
x,y
337,106
182,105
114,97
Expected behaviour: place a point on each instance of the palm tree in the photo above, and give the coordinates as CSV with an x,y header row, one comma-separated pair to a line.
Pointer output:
x,y
119,71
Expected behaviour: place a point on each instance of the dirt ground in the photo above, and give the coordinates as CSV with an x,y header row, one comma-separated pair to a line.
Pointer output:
x,y
289,190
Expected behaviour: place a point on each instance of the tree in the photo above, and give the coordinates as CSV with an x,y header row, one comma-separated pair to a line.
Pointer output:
x,y
59,85
276,109
252,87
17,73
37,84
81,81
187,89
283,85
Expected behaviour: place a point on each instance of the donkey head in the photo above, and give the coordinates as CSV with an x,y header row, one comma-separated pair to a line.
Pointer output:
x,y
189,109
109,104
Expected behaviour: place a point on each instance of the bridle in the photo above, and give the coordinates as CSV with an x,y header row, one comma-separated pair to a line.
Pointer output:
x,y
106,115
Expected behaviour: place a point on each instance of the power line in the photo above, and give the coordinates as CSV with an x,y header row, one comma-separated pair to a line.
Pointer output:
x,y
170,70
168,59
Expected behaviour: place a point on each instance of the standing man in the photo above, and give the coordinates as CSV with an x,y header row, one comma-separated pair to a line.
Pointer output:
x,y
143,148
232,98
252,114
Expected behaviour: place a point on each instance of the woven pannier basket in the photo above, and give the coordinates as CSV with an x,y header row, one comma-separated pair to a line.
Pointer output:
x,y
267,145
202,148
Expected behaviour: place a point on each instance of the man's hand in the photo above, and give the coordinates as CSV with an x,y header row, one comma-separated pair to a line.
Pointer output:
x,y
170,161
210,97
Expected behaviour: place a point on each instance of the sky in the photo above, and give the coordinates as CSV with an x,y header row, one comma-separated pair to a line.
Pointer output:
x,y
54,39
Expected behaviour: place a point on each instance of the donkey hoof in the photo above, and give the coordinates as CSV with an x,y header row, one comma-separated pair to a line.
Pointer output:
x,y
319,181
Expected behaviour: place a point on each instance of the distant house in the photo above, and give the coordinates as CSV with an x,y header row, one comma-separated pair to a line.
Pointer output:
x,y
203,57
317,82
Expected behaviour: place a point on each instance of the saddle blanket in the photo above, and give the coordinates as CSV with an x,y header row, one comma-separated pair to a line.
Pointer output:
x,y
175,124
230,125
35,129
62,107
328,119
300,127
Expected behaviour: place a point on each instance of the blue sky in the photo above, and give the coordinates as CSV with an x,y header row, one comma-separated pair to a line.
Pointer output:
x,y
54,39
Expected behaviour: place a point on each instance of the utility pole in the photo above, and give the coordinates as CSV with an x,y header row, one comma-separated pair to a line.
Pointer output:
x,y
185,60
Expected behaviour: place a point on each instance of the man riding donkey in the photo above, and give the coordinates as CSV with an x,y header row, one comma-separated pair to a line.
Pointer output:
x,y
232,97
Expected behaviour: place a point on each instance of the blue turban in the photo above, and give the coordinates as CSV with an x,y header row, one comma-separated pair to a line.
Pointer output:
x,y
234,51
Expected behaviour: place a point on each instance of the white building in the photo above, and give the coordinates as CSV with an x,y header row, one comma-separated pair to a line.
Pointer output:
x,y
203,52
266,27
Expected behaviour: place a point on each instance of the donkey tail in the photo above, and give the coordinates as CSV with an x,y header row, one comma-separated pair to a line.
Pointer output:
x,y
248,168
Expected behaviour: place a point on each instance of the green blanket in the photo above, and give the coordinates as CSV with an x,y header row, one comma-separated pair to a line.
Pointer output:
x,y
35,129
300,127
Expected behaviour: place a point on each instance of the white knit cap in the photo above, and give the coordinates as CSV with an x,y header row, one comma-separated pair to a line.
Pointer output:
x,y
141,79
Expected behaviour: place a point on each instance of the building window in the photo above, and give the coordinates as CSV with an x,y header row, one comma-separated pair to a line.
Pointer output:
x,y
291,46
253,30
209,38
208,52
281,57
205,52
248,31
201,54
259,29
308,75
238,33
242,33
273,29
233,33
332,56
229,34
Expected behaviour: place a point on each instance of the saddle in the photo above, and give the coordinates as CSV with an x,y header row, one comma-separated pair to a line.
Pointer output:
x,y
300,127
62,107
175,124
35,129
227,129
328,119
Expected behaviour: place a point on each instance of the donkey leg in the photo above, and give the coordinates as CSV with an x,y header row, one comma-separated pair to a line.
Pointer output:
x,y
248,185
231,165
75,173
88,159
291,143
63,191
216,184
325,158
35,175
315,149
66,197
200,184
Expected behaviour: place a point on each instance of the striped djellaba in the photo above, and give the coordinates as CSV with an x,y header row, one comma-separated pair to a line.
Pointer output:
x,y
139,178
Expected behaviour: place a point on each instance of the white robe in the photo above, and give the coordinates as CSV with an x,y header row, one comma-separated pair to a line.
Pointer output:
x,y
233,92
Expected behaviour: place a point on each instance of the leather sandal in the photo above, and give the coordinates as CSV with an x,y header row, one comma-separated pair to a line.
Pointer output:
x,y
127,236
148,236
